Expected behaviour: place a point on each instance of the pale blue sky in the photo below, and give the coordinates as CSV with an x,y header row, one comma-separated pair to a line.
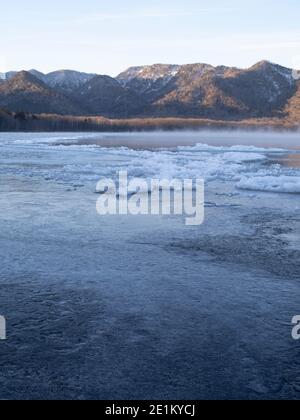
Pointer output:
x,y
107,37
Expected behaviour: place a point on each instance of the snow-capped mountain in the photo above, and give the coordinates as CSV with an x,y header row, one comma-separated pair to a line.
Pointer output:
x,y
201,90
67,80
25,92
149,80
193,90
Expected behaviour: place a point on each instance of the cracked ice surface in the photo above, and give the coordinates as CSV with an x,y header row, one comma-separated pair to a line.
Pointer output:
x,y
145,307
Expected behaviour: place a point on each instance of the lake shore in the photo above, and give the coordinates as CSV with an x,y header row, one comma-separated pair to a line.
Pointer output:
x,y
10,122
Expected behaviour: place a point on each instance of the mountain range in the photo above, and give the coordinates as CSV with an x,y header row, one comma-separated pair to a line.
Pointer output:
x,y
265,90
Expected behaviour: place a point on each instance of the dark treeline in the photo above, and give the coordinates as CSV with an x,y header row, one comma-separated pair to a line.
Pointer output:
x,y
25,122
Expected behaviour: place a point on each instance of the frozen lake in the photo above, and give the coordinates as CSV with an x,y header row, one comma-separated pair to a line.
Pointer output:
x,y
123,307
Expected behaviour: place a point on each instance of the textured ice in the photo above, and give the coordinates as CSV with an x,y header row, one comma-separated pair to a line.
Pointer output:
x,y
249,167
280,184
141,307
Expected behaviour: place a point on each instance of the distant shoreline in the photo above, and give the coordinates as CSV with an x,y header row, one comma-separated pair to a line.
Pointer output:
x,y
23,122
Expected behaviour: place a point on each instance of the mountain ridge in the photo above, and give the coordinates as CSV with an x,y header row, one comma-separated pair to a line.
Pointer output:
x,y
25,92
264,90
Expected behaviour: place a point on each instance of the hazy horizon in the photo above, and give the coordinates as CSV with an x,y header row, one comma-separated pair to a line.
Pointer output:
x,y
108,38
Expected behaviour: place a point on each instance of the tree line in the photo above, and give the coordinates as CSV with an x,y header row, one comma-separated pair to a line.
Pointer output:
x,y
25,122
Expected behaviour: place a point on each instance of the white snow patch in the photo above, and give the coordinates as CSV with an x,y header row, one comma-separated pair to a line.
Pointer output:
x,y
278,184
